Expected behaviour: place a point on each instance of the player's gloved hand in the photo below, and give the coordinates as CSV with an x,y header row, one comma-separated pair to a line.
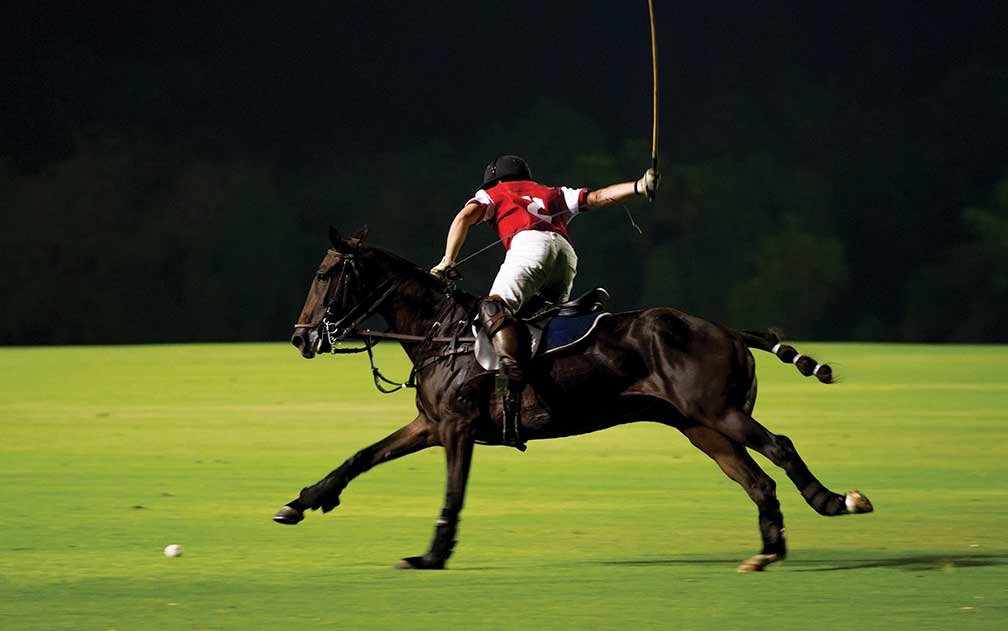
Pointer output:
x,y
445,270
648,184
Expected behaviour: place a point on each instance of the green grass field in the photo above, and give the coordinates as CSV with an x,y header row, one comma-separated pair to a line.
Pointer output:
x,y
110,453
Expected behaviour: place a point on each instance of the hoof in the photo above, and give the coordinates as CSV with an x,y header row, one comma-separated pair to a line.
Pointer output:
x,y
288,516
418,563
857,503
758,563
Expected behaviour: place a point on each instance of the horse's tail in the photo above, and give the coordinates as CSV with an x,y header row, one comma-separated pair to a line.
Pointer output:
x,y
770,342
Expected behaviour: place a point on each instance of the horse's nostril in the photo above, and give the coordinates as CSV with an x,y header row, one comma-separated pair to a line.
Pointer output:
x,y
297,340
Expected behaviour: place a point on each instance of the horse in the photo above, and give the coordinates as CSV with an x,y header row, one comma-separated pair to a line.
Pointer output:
x,y
657,364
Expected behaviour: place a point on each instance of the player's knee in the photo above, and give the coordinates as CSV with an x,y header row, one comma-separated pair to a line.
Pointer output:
x,y
494,314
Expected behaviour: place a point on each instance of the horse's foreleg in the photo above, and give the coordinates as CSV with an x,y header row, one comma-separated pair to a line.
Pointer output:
x,y
458,441
324,494
781,451
738,465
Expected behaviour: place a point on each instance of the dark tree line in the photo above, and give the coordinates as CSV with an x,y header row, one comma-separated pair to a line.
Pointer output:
x,y
132,238
168,175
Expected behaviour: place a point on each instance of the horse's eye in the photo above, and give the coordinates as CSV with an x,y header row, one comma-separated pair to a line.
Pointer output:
x,y
322,277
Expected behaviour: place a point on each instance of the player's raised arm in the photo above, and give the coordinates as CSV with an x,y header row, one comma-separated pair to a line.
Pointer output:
x,y
646,186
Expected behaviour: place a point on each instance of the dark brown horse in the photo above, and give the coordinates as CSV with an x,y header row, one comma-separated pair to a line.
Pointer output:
x,y
653,365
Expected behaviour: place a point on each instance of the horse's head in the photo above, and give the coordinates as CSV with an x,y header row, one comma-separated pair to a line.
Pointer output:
x,y
335,293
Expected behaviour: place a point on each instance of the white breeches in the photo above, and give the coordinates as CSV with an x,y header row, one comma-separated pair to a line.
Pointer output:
x,y
539,262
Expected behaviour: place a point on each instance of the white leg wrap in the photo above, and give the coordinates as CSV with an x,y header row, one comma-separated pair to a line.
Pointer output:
x,y
796,358
815,371
849,503
775,348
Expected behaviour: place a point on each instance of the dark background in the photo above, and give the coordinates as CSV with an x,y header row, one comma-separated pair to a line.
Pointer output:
x,y
168,173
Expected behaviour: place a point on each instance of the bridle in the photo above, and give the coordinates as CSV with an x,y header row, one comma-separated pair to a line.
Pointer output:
x,y
347,326
337,330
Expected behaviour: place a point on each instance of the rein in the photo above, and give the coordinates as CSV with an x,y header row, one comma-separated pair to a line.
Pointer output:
x,y
368,336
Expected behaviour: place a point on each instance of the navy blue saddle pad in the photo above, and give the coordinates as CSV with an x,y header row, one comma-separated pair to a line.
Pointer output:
x,y
565,331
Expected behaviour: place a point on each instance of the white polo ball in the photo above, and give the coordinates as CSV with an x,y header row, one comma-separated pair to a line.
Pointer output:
x,y
174,550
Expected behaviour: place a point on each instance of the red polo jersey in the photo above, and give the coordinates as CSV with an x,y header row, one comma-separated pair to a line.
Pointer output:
x,y
525,205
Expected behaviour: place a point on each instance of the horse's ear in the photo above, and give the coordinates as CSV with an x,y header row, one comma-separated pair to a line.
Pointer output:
x,y
334,237
358,237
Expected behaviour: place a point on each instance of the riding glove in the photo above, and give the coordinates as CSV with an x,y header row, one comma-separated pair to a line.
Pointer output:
x,y
445,270
648,184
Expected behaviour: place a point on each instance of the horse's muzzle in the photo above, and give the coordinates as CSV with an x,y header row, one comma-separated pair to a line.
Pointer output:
x,y
308,341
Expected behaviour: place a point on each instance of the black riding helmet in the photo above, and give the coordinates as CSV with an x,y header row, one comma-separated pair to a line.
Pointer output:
x,y
506,167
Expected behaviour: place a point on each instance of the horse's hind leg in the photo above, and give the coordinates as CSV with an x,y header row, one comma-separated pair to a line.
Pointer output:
x,y
325,493
738,465
743,428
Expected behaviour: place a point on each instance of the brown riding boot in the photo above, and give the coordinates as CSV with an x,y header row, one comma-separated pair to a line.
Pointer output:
x,y
510,382
512,415
500,327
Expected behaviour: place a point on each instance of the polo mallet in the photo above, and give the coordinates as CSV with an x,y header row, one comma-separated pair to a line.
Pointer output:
x,y
654,94
654,112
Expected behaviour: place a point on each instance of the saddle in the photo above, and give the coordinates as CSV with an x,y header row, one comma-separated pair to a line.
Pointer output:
x,y
550,328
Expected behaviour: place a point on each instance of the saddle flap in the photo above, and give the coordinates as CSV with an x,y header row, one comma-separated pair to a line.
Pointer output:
x,y
546,336
486,357
551,327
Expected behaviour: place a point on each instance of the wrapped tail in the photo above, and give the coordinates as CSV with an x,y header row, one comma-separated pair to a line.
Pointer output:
x,y
770,342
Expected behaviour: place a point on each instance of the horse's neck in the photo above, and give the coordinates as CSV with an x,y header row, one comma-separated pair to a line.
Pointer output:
x,y
416,307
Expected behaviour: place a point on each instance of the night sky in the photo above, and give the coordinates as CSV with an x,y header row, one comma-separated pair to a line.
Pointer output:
x,y
295,83
899,107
